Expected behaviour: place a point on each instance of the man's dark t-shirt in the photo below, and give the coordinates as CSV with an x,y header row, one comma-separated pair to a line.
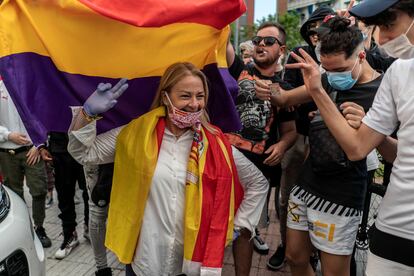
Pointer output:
x,y
294,78
346,187
260,120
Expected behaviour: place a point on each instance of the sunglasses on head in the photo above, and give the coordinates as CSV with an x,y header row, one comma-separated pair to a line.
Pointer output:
x,y
268,40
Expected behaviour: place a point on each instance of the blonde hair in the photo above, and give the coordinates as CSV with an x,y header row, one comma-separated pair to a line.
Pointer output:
x,y
175,73
247,45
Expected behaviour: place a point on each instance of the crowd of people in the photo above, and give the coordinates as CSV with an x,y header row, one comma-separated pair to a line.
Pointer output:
x,y
169,191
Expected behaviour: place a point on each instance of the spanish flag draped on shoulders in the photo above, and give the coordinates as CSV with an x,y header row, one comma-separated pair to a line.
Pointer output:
x,y
213,193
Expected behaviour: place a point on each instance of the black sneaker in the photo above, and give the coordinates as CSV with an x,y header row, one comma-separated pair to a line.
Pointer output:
x,y
104,272
44,239
259,245
278,259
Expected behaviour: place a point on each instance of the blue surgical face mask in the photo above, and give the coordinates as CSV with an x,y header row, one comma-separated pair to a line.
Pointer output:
x,y
342,80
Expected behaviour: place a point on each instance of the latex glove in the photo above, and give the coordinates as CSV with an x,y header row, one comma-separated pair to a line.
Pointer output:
x,y
104,98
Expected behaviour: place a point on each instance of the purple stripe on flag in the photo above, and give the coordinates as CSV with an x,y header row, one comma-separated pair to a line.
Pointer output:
x,y
43,94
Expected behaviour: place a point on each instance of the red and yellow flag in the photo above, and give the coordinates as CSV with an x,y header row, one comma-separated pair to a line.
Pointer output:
x,y
54,53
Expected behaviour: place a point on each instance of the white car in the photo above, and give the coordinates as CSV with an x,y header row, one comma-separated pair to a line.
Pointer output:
x,y
21,252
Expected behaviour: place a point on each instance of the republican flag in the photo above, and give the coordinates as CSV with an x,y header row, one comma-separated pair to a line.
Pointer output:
x,y
54,53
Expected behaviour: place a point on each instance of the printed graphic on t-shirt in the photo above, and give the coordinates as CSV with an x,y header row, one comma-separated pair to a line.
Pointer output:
x,y
255,114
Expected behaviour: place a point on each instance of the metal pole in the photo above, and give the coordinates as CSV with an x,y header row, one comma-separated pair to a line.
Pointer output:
x,y
277,9
236,36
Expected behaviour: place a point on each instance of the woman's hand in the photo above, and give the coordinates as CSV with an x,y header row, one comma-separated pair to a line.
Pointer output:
x,y
104,98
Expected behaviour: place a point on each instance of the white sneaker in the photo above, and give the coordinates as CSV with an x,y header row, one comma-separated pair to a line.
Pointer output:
x,y
260,245
67,246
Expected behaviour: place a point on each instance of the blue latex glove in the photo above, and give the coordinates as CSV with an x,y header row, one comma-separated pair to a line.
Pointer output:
x,y
104,98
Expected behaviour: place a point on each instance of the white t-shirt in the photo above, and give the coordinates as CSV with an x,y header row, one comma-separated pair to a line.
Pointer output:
x,y
372,161
394,103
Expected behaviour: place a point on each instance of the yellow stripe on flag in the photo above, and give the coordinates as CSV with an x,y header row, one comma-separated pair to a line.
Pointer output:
x,y
194,203
81,41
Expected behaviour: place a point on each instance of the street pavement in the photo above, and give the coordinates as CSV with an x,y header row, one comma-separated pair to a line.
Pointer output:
x,y
81,260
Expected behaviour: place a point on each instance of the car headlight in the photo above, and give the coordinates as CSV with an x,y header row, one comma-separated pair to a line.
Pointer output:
x,y
4,203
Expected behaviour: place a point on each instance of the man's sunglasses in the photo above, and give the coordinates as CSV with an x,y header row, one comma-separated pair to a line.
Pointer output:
x,y
268,40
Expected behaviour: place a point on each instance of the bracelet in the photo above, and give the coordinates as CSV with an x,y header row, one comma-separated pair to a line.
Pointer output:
x,y
90,118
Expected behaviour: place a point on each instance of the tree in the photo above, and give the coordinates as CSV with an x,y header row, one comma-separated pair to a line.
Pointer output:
x,y
291,22
270,17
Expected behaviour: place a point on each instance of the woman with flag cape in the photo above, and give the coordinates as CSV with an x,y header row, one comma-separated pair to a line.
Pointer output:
x,y
181,193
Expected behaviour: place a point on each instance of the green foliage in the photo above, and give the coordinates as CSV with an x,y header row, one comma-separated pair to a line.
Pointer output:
x,y
291,22
270,17
232,29
247,32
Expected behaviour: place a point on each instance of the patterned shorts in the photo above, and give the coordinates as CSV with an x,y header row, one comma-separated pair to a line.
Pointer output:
x,y
332,227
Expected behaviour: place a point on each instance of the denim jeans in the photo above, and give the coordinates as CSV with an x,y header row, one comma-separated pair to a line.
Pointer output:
x,y
97,231
97,220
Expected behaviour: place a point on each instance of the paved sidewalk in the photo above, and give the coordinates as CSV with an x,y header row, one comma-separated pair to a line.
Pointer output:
x,y
81,261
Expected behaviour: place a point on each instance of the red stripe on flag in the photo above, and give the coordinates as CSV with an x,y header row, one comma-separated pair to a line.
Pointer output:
x,y
217,180
157,13
160,128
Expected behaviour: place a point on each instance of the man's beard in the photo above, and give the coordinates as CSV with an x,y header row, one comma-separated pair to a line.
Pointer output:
x,y
264,64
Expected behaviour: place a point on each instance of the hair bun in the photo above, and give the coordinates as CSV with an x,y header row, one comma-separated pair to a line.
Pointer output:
x,y
339,24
